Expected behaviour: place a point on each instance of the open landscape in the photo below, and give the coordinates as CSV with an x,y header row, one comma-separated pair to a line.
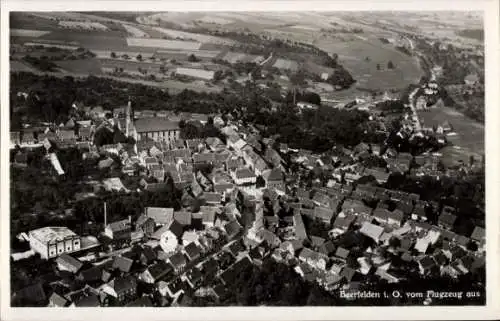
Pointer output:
x,y
181,159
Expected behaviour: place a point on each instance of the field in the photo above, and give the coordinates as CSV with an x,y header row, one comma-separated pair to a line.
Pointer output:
x,y
50,44
83,25
27,33
209,54
470,134
353,54
163,43
233,57
135,32
193,36
90,66
18,66
94,40
130,65
286,64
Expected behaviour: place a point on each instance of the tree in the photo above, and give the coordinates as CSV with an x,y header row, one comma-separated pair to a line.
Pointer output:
x,y
378,66
113,55
139,57
390,65
193,58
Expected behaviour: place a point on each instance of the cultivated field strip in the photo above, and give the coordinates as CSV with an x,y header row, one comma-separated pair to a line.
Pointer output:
x,y
163,43
27,33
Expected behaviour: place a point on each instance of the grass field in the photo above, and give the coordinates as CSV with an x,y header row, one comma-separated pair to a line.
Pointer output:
x,y
163,43
130,65
90,66
352,55
18,66
470,134
27,33
135,32
233,57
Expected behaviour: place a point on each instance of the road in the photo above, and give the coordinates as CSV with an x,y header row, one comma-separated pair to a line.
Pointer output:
x,y
411,98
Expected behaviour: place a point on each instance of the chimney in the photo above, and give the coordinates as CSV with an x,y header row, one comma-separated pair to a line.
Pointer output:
x,y
105,216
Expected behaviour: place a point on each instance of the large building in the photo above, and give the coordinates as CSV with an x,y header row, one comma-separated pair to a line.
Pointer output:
x,y
157,129
51,242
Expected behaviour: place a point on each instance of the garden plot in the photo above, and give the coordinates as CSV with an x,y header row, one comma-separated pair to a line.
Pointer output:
x,y
27,33
234,57
163,43
135,32
83,25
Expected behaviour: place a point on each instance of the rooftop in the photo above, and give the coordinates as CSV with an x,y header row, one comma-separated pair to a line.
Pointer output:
x,y
52,234
144,125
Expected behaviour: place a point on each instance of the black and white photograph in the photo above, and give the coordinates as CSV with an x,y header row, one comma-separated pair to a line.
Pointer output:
x,y
225,158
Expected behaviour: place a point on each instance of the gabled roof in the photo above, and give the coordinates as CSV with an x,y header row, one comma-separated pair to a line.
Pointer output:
x,y
342,252
183,218
324,213
232,228
161,215
192,250
119,226
123,284
159,270
478,234
447,219
73,264
155,124
243,173
91,301
58,300
178,260
122,263
371,230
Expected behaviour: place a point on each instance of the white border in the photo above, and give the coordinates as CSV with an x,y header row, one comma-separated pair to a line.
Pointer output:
x,y
491,311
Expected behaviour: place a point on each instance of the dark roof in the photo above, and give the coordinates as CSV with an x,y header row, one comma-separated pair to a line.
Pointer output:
x,y
92,274
347,273
427,262
232,228
149,253
211,197
141,302
192,250
316,240
122,263
155,125
344,222
447,219
275,175
91,300
324,213
160,215
183,218
230,275
123,284
119,225
178,260
159,270
74,264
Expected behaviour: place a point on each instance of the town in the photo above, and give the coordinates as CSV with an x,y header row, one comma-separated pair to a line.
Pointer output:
x,y
163,207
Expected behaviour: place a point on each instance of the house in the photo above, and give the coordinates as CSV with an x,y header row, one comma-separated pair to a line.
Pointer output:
x,y
387,217
342,224
145,224
426,265
157,129
121,288
157,272
183,218
91,275
446,220
372,231
123,264
342,253
243,176
232,229
212,198
299,227
380,175
178,262
90,300
314,259
66,262
148,255
478,234
327,248
119,230
57,301
270,239
192,251
274,179
324,214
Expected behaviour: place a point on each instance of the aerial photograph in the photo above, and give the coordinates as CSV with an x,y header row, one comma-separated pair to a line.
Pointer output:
x,y
203,159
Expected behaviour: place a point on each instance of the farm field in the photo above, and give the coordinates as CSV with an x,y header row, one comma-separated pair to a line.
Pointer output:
x,y
233,57
470,134
27,33
194,36
353,55
18,66
163,43
130,65
89,40
90,66
135,32
198,53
